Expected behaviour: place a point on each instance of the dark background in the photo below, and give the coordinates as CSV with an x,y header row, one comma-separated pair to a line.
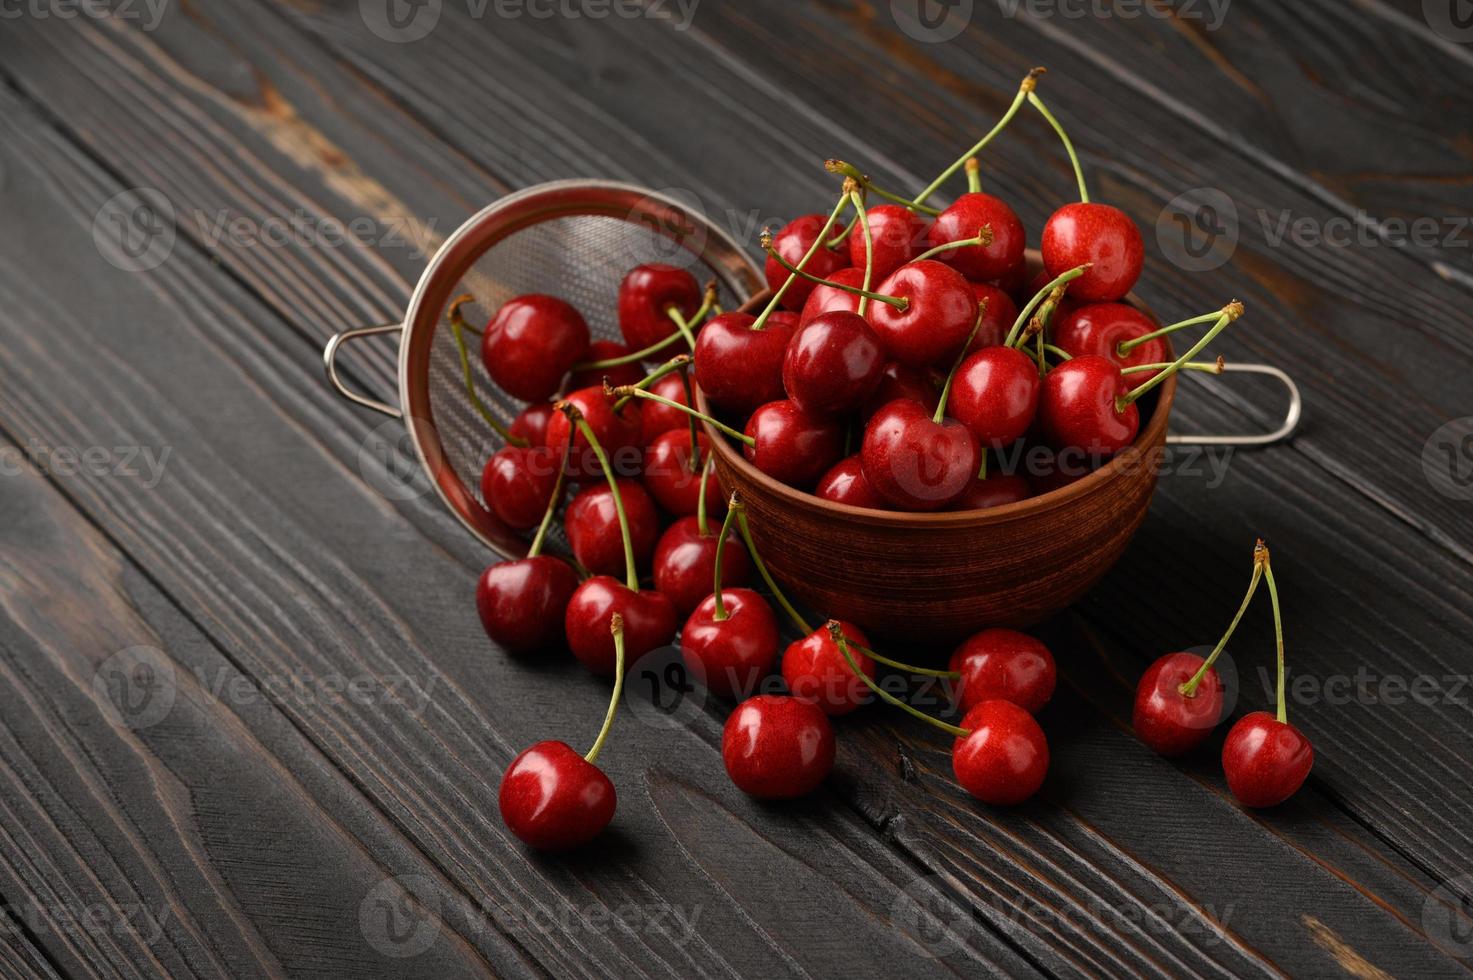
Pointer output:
x,y
315,725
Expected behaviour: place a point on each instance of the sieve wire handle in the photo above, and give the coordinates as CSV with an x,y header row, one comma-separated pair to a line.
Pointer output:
x,y
1285,429
329,360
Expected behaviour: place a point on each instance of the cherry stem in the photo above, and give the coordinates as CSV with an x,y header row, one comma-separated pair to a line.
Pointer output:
x,y
1189,689
852,172
557,492
1062,354
899,302
681,325
457,324
844,232
818,242
1027,312
1024,90
861,215
940,412
1273,595
1230,313
731,512
983,238
695,436
974,175
675,363
908,668
631,574
836,632
616,627
1126,346
1037,103
628,391
655,348
772,586
702,527
1211,367
982,469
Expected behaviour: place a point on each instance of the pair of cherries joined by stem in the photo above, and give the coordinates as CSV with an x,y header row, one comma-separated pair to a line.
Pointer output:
x,y
1179,701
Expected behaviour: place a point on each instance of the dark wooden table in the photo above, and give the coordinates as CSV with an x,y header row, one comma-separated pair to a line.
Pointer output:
x,y
304,780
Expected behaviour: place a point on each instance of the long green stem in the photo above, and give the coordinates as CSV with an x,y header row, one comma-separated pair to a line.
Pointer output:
x,y
772,586
630,390
674,364
1210,367
682,326
1273,595
853,172
657,346
818,242
557,495
631,572
1230,313
1024,90
899,302
616,627
861,214
1027,311
702,527
695,433
1037,103
1059,352
836,631
982,238
1126,346
940,412
731,512
1189,689
457,324
908,668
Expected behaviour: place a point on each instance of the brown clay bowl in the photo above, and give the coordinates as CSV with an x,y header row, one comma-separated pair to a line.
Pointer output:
x,y
935,578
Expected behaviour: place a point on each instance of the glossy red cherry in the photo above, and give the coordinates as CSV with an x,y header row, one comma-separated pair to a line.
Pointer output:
x,y
592,525
790,445
1100,329
656,417
649,622
792,243
899,235
1265,760
644,296
1003,665
740,368
730,656
555,800
685,563
998,318
522,603
899,381
1077,407
827,299
619,374
833,363
993,490
815,670
777,747
995,395
1098,234
517,484
1169,722
937,320
531,423
844,483
914,462
530,344
1004,757
966,216
617,432
669,478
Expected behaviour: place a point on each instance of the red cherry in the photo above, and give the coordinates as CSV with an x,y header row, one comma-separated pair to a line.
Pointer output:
x,y
517,484
827,299
993,491
1265,760
790,445
1100,329
685,563
815,670
669,478
740,368
1014,282
833,363
995,395
731,656
522,603
899,381
914,462
1003,665
777,747
531,343
644,296
531,423
1077,409
617,432
1099,234
649,622
656,417
844,483
1004,757
555,800
967,215
898,234
997,321
792,243
940,312
592,525
619,374
1168,721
